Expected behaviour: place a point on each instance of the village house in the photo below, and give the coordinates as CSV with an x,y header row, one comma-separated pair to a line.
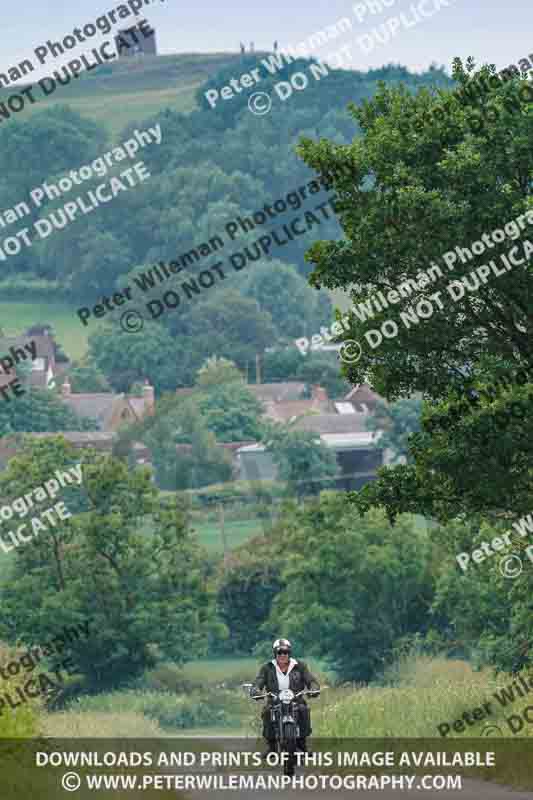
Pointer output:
x,y
108,409
341,426
46,367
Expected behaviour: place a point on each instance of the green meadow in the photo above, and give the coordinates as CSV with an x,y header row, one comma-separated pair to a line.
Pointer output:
x,y
132,89
16,316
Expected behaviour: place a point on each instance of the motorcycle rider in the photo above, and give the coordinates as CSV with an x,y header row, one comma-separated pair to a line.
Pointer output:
x,y
284,672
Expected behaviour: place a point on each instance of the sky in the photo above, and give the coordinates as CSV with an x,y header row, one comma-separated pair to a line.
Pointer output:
x,y
491,31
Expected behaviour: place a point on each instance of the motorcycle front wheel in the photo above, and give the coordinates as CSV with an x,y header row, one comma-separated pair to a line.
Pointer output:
x,y
290,734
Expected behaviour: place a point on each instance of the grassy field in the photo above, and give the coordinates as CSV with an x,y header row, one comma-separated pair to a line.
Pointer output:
x,y
423,694
133,89
204,691
420,693
15,316
237,532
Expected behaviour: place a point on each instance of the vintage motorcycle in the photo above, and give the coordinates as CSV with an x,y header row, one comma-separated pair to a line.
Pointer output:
x,y
284,716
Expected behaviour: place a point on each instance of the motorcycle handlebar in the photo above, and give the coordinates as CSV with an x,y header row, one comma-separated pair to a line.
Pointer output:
x,y
273,694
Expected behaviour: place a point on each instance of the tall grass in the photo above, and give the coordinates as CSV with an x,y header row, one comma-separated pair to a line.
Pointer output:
x,y
22,721
77,723
419,694
170,711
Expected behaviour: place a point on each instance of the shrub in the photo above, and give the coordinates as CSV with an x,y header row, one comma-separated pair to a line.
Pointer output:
x,y
195,709
237,491
166,678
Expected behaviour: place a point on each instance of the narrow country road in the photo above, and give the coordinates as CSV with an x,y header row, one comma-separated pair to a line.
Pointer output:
x,y
470,789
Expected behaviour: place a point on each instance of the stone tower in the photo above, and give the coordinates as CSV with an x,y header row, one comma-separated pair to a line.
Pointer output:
x,y
139,39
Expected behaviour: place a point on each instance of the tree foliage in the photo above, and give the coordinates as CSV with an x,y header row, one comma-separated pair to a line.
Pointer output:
x,y
218,371
125,358
303,460
292,304
177,421
231,412
398,421
84,376
323,369
212,166
127,564
39,410
417,168
329,580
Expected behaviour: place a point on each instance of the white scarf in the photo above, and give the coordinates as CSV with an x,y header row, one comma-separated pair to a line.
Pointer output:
x,y
283,678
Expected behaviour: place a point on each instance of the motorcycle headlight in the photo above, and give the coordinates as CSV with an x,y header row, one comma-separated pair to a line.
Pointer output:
x,y
286,695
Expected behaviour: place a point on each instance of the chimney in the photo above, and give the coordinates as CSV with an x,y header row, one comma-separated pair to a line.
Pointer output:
x,y
66,389
149,398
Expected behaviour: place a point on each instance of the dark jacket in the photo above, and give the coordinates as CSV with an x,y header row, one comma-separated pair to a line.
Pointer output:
x,y
299,678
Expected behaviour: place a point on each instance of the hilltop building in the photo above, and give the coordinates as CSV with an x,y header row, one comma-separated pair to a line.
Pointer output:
x,y
139,39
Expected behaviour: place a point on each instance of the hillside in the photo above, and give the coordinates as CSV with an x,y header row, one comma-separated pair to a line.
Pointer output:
x,y
85,260
136,88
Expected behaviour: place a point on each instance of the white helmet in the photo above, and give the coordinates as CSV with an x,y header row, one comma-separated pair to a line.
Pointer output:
x,y
283,644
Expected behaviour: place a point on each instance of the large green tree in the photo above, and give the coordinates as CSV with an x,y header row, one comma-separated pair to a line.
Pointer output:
x,y
177,421
126,358
230,325
419,166
323,369
231,412
84,376
247,583
461,170
127,564
218,371
287,297
40,410
340,577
